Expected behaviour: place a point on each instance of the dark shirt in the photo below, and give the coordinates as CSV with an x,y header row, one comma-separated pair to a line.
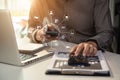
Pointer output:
x,y
88,19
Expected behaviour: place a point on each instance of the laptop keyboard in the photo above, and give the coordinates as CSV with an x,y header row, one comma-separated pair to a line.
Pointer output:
x,y
25,56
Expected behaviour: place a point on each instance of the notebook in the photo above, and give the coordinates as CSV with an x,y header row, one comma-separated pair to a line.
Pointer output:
x,y
97,65
9,52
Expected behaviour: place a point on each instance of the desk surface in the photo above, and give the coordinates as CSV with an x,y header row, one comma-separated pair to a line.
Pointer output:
x,y
36,71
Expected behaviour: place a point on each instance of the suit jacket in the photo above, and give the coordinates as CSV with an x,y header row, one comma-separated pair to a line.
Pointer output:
x,y
89,19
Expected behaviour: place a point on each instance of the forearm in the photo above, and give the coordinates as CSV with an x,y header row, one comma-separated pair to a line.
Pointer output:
x,y
102,24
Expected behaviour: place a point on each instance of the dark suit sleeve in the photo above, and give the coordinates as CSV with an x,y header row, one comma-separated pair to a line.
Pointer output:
x,y
103,26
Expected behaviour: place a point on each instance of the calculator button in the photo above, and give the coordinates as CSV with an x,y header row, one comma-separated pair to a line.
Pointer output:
x,y
57,64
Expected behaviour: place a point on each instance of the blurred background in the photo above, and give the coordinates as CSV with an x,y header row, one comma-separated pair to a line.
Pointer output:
x,y
17,7
20,11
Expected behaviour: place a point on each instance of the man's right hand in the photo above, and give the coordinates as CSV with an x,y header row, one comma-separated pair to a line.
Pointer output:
x,y
41,33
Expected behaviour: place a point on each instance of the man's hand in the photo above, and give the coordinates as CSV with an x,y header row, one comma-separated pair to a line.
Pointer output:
x,y
85,48
41,33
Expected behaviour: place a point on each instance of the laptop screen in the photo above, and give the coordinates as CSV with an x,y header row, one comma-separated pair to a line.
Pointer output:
x,y
8,44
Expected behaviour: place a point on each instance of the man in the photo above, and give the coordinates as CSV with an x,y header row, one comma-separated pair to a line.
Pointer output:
x,y
89,20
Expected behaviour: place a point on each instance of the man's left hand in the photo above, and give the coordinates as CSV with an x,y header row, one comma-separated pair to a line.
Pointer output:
x,y
85,48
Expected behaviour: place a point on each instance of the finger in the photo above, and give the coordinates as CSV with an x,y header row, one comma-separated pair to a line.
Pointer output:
x,y
91,51
43,39
41,32
86,50
73,49
79,49
51,38
94,51
48,36
51,26
44,29
38,38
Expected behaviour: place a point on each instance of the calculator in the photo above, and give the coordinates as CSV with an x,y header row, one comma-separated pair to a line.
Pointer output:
x,y
61,63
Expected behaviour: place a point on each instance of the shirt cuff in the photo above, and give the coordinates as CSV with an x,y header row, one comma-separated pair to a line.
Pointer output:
x,y
32,36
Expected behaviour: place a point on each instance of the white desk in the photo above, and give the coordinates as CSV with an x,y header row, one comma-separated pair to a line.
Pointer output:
x,y
36,71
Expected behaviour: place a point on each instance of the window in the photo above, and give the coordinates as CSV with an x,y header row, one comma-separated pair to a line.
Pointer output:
x,y
17,7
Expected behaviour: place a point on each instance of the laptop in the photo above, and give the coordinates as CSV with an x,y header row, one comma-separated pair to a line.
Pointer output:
x,y
9,52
